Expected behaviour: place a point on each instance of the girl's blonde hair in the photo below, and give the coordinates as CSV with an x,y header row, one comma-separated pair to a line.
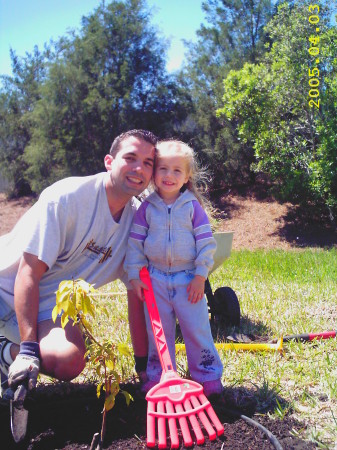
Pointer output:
x,y
197,176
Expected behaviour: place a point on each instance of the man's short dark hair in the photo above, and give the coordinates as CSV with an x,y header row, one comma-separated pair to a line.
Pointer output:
x,y
140,134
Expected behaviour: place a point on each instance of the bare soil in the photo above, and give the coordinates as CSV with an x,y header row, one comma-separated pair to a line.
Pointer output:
x,y
257,219
260,221
11,211
66,416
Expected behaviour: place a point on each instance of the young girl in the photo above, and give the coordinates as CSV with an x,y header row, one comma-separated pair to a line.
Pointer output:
x,y
171,235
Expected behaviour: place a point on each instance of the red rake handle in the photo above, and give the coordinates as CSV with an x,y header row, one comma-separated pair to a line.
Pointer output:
x,y
310,336
157,328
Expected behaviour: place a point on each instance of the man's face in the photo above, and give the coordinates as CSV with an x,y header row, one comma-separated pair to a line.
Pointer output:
x,y
131,168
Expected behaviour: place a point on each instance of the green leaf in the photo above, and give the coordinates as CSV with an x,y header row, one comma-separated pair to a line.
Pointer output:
x,y
87,306
64,320
114,388
110,364
86,287
63,296
124,350
128,397
78,301
66,285
109,402
55,313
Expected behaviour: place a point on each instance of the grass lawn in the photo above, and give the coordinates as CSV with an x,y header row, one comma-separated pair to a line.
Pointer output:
x,y
283,293
280,293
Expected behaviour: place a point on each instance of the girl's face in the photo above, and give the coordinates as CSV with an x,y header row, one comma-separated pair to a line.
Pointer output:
x,y
171,173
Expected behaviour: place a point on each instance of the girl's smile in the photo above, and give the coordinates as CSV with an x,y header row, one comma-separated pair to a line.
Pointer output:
x,y
170,175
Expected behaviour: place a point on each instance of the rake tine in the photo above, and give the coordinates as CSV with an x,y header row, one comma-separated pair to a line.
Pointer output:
x,y
212,415
202,416
161,426
172,426
184,426
151,425
195,424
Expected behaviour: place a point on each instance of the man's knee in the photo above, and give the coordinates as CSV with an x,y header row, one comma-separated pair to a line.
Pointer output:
x,y
63,366
62,351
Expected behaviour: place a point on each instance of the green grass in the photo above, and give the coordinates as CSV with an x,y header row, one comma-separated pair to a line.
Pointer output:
x,y
280,293
283,292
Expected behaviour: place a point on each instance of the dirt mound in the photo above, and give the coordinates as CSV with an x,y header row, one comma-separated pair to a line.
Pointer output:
x,y
66,416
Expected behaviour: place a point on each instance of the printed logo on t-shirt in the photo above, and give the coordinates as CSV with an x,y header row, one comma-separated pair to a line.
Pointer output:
x,y
97,250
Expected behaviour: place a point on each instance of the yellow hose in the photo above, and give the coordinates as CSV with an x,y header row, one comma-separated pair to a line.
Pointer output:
x,y
250,347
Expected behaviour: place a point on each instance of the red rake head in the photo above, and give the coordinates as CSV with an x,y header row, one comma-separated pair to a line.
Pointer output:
x,y
174,388
177,399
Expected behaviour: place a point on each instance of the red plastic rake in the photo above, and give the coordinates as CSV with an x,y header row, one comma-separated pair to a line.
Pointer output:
x,y
173,398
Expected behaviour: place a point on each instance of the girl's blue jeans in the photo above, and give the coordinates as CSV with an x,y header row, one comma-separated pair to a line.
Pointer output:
x,y
170,290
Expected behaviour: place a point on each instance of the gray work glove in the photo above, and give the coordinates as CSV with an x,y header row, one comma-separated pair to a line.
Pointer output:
x,y
26,367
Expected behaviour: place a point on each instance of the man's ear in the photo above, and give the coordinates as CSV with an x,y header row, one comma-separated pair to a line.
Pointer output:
x,y
108,160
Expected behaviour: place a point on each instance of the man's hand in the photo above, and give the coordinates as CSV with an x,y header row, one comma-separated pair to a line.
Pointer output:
x,y
138,287
196,289
26,366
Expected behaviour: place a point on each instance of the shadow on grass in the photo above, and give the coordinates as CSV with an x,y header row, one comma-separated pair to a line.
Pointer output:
x,y
253,330
303,228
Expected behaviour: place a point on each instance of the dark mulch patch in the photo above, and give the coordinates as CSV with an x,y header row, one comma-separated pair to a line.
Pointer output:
x,y
66,416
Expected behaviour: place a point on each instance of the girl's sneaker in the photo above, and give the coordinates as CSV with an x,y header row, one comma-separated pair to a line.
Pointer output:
x,y
213,387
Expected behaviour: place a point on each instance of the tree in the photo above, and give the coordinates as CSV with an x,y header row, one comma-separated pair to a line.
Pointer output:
x,y
17,97
234,35
63,107
108,78
270,107
323,181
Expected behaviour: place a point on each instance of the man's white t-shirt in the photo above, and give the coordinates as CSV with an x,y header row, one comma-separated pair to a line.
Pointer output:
x,y
70,228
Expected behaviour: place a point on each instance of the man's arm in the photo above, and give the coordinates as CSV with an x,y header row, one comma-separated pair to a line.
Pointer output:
x,y
135,258
26,295
137,325
26,365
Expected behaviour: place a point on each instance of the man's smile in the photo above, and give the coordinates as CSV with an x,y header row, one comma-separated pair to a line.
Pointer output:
x,y
136,180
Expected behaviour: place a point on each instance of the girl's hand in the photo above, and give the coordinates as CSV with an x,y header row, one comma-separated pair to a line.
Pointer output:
x,y
138,287
196,289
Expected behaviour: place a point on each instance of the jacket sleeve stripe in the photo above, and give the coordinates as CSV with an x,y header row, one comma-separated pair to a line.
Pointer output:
x,y
199,216
138,237
199,237
140,217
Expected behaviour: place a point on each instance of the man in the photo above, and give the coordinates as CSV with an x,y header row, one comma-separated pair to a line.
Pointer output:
x,y
78,228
